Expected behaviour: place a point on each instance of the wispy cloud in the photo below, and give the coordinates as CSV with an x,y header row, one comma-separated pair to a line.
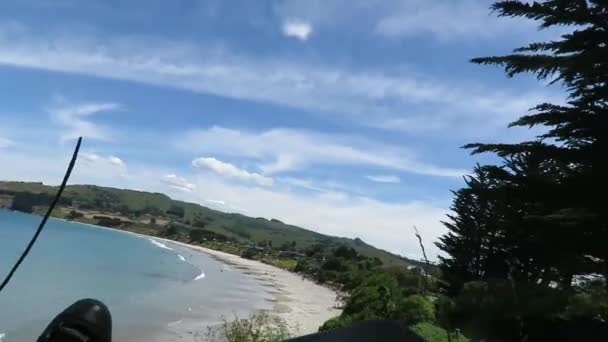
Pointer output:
x,y
441,19
76,122
178,183
230,171
280,150
384,178
370,97
448,19
297,28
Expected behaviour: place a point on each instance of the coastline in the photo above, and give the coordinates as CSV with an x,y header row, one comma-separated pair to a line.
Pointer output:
x,y
303,304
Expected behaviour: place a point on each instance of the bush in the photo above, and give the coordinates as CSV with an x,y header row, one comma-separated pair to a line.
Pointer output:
x,y
432,333
375,298
249,253
171,231
199,223
592,304
333,264
345,252
259,327
415,309
177,211
74,215
336,322
108,221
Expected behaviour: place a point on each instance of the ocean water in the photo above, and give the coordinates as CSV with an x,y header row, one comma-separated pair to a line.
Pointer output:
x,y
149,286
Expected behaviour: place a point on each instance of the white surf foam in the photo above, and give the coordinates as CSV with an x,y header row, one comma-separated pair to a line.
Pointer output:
x,y
160,244
171,324
200,276
181,257
2,336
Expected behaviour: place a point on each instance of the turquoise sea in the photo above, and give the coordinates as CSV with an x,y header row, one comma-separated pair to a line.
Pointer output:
x,y
150,286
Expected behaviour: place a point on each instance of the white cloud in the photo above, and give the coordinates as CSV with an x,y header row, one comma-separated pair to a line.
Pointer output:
x,y
4,142
215,201
230,171
116,161
298,29
370,97
279,150
177,182
94,161
74,118
384,178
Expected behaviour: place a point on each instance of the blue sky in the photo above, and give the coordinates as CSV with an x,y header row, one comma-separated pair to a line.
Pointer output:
x,y
345,117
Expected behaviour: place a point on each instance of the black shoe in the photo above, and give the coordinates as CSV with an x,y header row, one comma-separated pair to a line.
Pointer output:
x,y
87,320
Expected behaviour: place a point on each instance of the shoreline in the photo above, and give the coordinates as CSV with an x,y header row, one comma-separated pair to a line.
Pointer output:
x,y
303,304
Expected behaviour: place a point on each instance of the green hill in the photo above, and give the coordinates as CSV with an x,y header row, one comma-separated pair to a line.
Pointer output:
x,y
158,214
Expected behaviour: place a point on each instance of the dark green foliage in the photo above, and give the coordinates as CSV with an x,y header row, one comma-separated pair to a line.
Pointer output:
x,y
406,278
200,235
336,322
199,223
345,252
415,309
74,215
523,231
590,304
333,264
575,142
249,253
378,295
239,231
433,333
176,211
27,201
172,230
109,221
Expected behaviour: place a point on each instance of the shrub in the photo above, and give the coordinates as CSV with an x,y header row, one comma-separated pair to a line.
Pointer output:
x,y
259,327
432,333
249,253
177,211
415,309
74,215
336,322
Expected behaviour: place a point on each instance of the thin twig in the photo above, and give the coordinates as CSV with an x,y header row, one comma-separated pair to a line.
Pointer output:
x,y
426,260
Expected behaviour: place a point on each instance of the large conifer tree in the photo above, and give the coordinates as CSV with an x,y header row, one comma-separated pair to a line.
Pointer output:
x,y
560,224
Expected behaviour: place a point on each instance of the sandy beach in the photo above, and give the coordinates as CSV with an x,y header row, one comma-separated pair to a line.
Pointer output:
x,y
303,304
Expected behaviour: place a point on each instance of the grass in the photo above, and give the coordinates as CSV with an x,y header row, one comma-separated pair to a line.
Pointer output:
x,y
286,264
432,333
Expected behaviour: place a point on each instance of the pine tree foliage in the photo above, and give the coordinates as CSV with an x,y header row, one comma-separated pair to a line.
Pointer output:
x,y
559,207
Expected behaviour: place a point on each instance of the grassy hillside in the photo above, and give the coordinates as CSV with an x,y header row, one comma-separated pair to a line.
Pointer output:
x,y
155,213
